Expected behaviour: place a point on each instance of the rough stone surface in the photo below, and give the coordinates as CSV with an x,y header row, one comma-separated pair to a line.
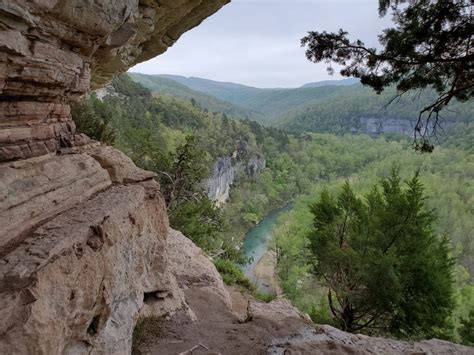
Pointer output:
x,y
273,328
36,189
52,51
192,268
120,167
223,175
78,282
323,340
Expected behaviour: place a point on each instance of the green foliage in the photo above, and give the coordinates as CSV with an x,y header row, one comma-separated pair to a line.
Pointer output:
x,y
92,117
180,181
460,136
263,296
382,265
427,48
466,330
447,176
231,274
201,221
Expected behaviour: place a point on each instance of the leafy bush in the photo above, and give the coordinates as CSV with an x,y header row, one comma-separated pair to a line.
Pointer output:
x,y
263,296
231,274
92,117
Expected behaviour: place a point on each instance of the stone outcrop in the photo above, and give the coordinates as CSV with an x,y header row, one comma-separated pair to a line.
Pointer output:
x,y
77,282
275,328
83,231
223,175
254,165
53,51
192,268
323,340
377,126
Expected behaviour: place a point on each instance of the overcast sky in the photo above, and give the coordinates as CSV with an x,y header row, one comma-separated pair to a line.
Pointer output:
x,y
257,42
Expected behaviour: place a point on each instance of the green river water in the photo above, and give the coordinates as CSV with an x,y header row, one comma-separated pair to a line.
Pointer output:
x,y
256,243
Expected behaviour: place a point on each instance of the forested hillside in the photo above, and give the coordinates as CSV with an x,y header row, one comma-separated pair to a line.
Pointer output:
x,y
342,111
180,139
333,107
168,87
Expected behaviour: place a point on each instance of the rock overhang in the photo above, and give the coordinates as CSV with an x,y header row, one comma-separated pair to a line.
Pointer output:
x,y
52,52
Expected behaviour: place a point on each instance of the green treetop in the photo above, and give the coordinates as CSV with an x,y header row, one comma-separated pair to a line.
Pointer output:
x,y
384,268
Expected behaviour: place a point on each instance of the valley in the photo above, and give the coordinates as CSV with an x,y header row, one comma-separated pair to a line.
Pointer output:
x,y
174,214
250,170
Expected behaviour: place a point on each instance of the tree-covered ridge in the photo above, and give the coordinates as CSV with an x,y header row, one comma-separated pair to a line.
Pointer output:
x,y
342,112
332,109
163,86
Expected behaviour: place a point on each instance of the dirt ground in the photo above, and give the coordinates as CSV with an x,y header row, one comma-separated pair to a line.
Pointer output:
x,y
272,329
218,330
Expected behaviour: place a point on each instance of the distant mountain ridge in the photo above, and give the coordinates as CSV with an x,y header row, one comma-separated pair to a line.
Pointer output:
x,y
170,85
341,82
263,105
335,106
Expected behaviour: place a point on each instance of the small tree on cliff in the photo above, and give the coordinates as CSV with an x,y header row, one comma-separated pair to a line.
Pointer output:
x,y
431,46
384,268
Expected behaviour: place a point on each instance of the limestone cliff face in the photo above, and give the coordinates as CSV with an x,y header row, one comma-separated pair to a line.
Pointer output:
x,y
222,178
52,51
377,126
224,173
83,231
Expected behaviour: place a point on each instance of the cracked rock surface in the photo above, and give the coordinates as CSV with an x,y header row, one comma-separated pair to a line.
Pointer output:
x,y
53,51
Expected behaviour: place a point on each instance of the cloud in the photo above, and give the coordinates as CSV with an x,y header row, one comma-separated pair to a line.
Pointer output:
x,y
257,42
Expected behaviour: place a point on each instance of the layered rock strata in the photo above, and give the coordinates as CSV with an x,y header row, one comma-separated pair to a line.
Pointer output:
x,y
52,51
77,282
83,231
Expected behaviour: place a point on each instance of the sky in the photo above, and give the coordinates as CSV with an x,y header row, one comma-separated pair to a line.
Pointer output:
x,y
257,42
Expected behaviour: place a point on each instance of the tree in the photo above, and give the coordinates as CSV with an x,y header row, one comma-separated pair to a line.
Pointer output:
x,y
430,47
188,167
384,268
92,117
467,327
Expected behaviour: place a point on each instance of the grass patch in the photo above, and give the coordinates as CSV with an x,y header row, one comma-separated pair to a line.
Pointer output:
x,y
145,330
263,296
231,274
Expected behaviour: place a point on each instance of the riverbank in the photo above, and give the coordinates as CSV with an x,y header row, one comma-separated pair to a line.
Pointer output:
x,y
265,274
261,271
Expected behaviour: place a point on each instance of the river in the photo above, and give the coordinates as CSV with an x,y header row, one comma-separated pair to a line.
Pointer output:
x,y
256,245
